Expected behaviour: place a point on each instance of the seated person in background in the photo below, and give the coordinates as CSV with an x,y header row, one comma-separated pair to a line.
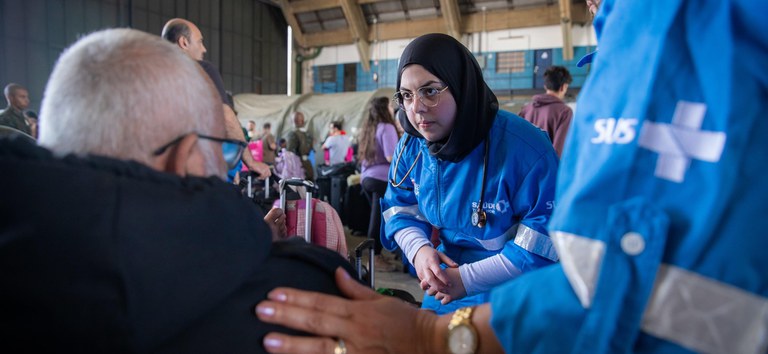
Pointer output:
x,y
660,235
337,144
13,116
548,111
377,141
136,244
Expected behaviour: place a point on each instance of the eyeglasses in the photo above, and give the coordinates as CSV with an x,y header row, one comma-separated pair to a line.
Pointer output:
x,y
232,149
428,96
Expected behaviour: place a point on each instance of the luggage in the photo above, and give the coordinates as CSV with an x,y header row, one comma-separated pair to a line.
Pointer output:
x,y
332,182
366,275
314,220
356,209
261,192
338,186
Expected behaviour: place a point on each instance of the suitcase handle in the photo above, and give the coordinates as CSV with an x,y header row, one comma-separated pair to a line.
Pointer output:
x,y
310,186
250,176
296,182
369,244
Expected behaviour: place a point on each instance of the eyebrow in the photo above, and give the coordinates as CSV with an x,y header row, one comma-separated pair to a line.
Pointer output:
x,y
430,82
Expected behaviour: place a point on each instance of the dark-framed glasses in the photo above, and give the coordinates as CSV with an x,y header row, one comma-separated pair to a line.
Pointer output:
x,y
231,149
428,96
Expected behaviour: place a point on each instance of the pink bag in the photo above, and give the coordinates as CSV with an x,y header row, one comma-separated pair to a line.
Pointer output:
x,y
256,149
350,155
327,229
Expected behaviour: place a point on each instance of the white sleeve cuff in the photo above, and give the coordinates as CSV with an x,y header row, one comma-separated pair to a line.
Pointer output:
x,y
410,239
485,274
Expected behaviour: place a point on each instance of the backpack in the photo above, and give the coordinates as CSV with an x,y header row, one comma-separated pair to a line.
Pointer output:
x,y
303,139
288,165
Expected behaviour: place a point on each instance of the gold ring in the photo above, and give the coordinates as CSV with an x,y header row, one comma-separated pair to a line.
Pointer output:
x,y
340,347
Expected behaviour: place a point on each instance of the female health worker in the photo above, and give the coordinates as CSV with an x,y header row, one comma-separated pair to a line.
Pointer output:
x,y
484,178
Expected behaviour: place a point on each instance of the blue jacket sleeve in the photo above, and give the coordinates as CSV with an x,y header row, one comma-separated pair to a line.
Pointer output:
x,y
400,206
533,203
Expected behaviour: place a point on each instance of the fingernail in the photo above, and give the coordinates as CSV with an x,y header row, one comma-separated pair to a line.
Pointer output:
x,y
272,342
278,296
265,310
346,275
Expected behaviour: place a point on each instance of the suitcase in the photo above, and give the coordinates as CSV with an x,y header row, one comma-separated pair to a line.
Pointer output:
x,y
338,186
356,210
261,192
314,220
332,181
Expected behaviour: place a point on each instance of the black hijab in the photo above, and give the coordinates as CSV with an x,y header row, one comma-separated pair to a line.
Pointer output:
x,y
476,105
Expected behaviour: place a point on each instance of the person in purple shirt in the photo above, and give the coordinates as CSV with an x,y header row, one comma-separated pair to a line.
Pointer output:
x,y
377,142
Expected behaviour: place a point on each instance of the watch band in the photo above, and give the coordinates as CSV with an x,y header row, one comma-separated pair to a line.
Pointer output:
x,y
462,335
461,316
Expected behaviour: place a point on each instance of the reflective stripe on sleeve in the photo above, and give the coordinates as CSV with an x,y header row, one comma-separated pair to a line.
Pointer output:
x,y
498,242
686,308
706,315
581,258
411,210
535,242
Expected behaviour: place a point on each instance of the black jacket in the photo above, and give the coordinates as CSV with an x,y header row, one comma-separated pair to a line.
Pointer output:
x,y
103,255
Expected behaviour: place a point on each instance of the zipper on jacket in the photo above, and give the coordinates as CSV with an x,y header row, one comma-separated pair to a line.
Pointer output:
x,y
437,190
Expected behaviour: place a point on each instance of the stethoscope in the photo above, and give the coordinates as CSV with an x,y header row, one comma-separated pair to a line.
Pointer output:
x,y
479,218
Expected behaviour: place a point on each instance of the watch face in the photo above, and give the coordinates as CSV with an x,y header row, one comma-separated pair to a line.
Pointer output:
x,y
462,340
475,218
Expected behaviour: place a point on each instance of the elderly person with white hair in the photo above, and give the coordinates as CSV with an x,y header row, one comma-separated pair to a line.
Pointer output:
x,y
136,244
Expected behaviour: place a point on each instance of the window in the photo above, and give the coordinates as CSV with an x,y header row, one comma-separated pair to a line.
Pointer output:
x,y
510,62
327,73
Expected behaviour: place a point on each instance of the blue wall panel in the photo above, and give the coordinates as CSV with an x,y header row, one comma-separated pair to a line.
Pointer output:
x,y
387,75
387,70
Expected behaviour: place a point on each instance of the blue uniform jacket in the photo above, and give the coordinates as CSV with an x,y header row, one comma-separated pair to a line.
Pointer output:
x,y
518,199
662,194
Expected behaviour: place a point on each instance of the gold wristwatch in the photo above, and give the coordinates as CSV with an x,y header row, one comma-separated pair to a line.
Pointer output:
x,y
462,336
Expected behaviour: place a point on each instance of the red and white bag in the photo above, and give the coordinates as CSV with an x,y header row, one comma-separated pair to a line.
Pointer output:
x,y
326,228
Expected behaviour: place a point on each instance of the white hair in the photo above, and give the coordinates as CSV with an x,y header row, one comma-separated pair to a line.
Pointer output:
x,y
124,93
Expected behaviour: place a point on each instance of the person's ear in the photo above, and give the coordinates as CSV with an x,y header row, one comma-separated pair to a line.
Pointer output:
x,y
179,155
183,42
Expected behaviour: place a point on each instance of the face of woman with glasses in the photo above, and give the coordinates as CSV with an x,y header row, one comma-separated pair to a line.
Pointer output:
x,y
428,102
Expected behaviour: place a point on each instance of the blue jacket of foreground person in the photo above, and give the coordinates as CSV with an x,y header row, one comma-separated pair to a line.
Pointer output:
x,y
661,200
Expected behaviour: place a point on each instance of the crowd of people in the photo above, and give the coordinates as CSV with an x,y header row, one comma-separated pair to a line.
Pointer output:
x,y
627,227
